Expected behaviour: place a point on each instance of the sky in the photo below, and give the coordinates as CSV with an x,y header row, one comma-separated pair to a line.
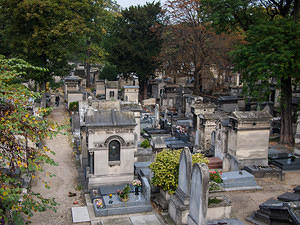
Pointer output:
x,y
127,3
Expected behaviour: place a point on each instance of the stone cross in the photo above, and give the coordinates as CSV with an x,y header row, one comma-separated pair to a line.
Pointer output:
x,y
185,174
199,195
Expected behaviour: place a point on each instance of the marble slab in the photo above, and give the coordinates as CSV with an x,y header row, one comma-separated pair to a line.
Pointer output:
x,y
80,214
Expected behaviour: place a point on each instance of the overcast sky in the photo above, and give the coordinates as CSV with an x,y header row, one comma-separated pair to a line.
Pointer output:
x,y
127,3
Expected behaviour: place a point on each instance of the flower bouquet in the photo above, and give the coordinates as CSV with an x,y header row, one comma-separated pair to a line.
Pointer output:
x,y
124,194
99,203
137,184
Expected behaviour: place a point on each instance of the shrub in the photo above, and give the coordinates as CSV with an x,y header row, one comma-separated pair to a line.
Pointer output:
x,y
215,176
145,144
74,106
166,169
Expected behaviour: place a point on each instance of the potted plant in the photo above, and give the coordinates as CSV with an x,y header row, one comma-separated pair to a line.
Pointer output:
x,y
124,194
137,184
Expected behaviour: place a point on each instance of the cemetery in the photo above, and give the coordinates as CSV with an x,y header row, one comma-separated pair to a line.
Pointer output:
x,y
131,155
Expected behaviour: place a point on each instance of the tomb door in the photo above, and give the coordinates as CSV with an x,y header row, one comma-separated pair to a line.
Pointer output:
x,y
114,151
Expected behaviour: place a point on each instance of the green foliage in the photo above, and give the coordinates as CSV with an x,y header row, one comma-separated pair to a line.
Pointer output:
x,y
215,176
125,192
18,128
166,169
134,41
48,33
109,72
74,106
145,144
271,51
214,200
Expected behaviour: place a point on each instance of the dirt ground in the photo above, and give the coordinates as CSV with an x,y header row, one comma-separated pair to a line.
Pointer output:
x,y
65,180
244,203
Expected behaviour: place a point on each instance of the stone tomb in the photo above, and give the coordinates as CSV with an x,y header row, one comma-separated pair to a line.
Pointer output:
x,y
113,206
238,180
199,195
111,140
287,164
179,203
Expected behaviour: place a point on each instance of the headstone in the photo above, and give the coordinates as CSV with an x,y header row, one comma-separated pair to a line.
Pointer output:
x,y
166,115
179,203
199,195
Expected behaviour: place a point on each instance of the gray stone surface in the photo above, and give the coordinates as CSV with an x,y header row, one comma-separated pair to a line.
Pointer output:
x,y
226,221
238,179
145,220
199,195
185,176
179,203
117,221
80,214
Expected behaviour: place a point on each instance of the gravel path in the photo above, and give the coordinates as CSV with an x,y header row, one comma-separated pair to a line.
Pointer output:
x,y
65,180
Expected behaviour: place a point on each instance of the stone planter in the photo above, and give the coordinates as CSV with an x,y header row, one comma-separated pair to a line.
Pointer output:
x,y
220,210
165,195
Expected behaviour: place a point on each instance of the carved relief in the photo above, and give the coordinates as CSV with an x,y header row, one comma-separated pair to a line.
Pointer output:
x,y
114,137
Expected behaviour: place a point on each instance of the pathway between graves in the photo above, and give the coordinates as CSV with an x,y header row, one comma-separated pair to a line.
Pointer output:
x,y
65,180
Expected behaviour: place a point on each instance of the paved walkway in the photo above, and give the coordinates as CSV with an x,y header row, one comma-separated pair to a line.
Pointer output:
x,y
65,180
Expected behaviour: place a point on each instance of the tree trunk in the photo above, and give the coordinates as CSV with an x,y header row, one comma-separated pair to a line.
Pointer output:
x,y
88,75
286,129
197,80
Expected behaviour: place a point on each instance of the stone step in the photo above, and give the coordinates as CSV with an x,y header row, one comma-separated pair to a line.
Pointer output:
x,y
215,163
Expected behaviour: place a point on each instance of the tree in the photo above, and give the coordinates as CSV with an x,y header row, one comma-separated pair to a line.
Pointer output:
x,y
266,56
191,47
19,131
134,41
47,33
109,72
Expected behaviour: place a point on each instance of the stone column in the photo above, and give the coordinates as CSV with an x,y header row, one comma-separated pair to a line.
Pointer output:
x,y
199,195
297,135
92,162
156,115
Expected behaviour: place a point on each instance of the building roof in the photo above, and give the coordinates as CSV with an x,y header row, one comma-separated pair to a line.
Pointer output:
x,y
251,115
112,84
131,87
110,118
72,78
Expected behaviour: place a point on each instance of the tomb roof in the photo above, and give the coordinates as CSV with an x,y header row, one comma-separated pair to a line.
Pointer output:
x,y
72,78
131,87
112,84
111,118
251,115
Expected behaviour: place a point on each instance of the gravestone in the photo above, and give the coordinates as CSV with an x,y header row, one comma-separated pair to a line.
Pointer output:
x,y
199,195
179,203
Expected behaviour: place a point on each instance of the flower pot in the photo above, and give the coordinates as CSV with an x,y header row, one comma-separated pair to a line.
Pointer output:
x,y
124,199
136,190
